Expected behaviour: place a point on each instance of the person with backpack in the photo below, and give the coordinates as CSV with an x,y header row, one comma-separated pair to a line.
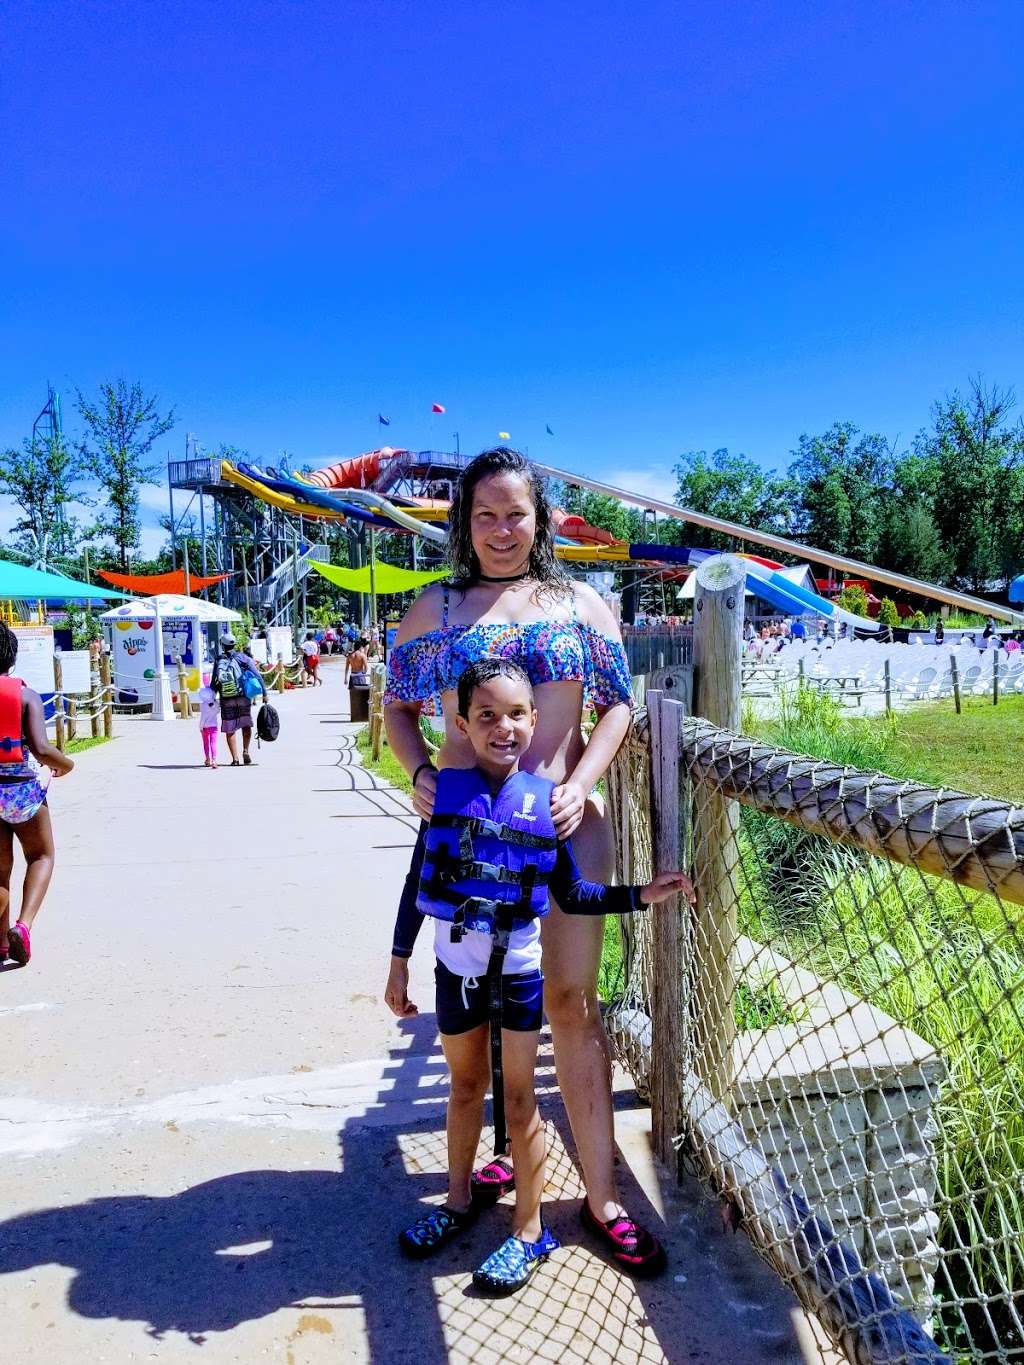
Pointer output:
x,y
237,682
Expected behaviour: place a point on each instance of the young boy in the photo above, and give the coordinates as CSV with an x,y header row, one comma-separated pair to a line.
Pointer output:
x,y
24,814
491,859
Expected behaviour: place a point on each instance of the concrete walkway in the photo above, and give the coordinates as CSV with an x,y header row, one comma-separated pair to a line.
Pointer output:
x,y
211,1130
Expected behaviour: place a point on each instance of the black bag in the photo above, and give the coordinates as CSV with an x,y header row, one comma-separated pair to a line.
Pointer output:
x,y
268,723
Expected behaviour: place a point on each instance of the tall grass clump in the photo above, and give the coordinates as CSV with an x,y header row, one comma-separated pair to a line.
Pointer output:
x,y
949,964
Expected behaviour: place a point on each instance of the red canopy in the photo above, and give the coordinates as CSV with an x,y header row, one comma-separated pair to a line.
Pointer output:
x,y
147,584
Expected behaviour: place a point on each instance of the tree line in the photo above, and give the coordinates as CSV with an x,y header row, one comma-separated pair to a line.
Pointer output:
x,y
48,475
949,508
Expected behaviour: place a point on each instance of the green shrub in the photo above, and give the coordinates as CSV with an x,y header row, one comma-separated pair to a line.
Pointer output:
x,y
887,613
853,599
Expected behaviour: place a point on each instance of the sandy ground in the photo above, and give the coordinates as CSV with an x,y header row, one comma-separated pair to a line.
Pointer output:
x,y
211,1130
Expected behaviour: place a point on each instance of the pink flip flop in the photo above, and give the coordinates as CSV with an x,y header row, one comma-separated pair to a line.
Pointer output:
x,y
492,1181
19,944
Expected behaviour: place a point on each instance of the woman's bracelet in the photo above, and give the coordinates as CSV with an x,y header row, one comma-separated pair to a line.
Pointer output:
x,y
416,774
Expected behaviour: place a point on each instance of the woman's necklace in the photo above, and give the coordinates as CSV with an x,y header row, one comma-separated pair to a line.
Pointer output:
x,y
513,578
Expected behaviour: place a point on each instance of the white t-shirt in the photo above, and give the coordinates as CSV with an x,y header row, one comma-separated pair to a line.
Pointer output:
x,y
310,648
471,956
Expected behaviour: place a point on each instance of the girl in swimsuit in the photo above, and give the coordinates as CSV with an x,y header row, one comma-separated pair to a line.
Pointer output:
x,y
510,598
23,810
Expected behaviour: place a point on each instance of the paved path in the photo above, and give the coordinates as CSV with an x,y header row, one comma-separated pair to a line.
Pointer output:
x,y
210,1130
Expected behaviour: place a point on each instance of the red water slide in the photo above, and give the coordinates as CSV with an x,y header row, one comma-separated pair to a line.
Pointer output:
x,y
359,472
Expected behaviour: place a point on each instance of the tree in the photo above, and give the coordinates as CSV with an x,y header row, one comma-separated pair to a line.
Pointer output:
x,y
887,613
40,478
979,483
120,431
734,488
840,480
909,540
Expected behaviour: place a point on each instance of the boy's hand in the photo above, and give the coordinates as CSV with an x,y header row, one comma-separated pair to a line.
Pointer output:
x,y
396,992
424,792
568,803
667,884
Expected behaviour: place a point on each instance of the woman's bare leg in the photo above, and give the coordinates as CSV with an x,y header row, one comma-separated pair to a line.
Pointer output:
x,y
6,867
36,839
232,740
468,1061
572,956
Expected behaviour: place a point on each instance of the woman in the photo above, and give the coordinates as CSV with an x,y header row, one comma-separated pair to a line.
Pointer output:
x,y
229,673
23,811
509,597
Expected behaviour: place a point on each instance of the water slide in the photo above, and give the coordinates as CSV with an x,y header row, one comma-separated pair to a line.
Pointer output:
x,y
344,490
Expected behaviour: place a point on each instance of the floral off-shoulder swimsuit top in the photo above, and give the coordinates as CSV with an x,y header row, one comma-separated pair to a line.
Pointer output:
x,y
548,651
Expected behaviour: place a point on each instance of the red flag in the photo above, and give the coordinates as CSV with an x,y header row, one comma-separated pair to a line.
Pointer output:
x,y
437,408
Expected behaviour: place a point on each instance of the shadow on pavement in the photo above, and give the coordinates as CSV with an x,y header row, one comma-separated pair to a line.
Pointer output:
x,y
241,1247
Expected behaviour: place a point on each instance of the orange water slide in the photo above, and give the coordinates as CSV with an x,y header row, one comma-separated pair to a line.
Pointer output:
x,y
575,528
359,472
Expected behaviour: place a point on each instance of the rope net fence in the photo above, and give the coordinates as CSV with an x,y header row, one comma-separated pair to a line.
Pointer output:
x,y
846,1061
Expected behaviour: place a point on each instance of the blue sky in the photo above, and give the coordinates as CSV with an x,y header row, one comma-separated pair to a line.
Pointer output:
x,y
656,227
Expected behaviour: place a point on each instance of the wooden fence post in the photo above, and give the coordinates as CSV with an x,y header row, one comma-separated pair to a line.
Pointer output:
x,y
72,718
717,653
95,697
377,678
955,675
670,927
108,696
58,703
280,672
887,666
995,678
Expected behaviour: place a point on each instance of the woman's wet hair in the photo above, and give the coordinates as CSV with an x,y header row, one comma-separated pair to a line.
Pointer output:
x,y
8,648
484,671
543,567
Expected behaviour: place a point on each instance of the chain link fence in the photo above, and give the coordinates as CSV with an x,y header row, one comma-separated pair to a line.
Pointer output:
x,y
836,1029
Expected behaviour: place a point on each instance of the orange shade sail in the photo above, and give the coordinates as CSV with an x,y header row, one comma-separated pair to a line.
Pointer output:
x,y
148,584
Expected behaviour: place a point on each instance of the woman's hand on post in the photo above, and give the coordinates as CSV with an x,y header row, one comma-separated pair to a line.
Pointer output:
x,y
396,992
568,802
668,884
423,793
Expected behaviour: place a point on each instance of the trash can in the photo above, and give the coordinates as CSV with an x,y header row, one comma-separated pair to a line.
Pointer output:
x,y
358,702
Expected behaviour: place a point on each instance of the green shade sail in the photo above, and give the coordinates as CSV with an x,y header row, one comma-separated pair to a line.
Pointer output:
x,y
20,583
386,578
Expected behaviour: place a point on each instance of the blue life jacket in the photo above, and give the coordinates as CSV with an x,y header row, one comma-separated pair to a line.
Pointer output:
x,y
488,858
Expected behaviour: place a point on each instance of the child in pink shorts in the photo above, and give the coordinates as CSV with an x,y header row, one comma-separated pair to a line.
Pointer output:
x,y
209,719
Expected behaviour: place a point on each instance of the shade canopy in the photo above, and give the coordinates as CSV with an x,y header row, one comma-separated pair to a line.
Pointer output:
x,y
19,582
170,605
1017,589
146,584
386,578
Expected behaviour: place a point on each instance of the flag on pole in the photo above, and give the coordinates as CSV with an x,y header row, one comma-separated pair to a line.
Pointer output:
x,y
548,429
504,436
437,407
384,421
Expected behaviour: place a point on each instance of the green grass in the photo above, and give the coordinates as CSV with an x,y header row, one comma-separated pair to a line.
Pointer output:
x,y
79,746
387,766
977,751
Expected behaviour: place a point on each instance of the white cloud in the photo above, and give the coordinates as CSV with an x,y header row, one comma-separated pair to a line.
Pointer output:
x,y
153,498
652,481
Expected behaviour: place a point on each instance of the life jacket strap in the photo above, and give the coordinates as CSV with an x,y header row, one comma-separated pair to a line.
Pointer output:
x,y
495,966
491,829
